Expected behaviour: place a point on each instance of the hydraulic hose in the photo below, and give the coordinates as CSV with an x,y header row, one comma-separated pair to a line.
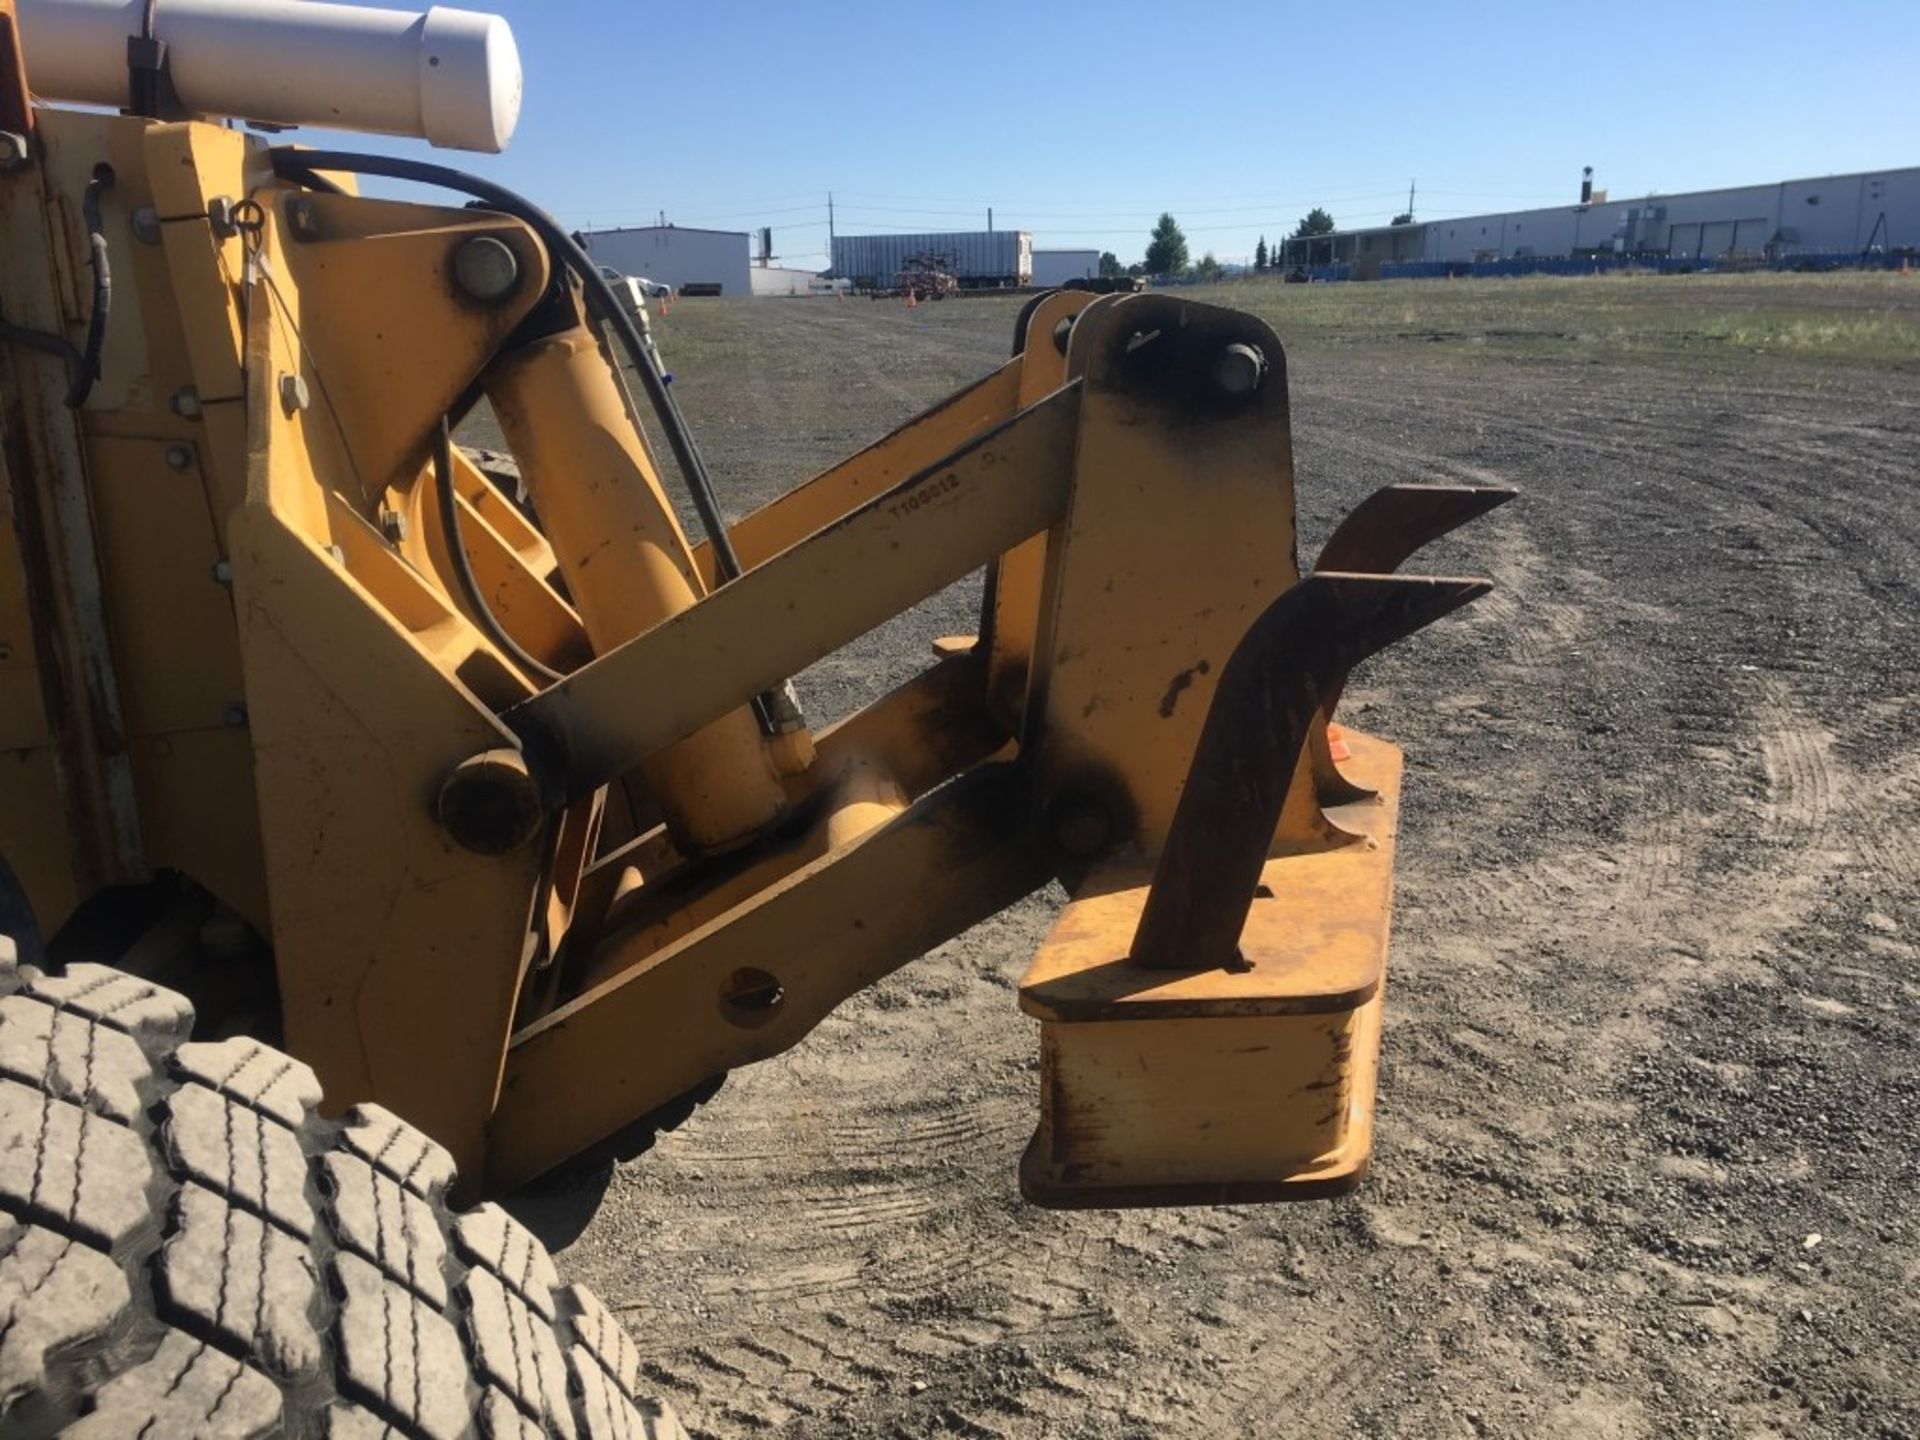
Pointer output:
x,y
463,568
89,370
83,362
303,166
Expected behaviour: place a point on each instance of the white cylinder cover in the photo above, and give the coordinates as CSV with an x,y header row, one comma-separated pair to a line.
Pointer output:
x,y
451,77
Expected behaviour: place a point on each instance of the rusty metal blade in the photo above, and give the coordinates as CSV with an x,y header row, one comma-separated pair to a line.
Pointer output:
x,y
1392,523
1270,691
1376,538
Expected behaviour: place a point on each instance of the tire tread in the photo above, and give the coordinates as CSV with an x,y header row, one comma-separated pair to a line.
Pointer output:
x,y
188,1248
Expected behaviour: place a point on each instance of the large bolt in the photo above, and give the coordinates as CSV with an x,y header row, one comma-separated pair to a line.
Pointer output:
x,y
490,804
179,457
14,152
1062,333
1237,370
486,269
294,395
302,222
1081,824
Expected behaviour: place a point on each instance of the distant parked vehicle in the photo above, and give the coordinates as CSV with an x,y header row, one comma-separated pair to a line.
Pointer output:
x,y
652,289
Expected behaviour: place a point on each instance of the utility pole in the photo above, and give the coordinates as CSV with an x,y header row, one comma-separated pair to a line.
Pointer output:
x,y
829,229
989,219
1410,184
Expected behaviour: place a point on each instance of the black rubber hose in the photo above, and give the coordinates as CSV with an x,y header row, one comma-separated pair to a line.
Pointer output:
x,y
301,165
45,340
83,364
89,368
463,568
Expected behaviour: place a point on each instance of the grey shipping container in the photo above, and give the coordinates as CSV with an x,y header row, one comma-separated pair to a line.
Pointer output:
x,y
979,259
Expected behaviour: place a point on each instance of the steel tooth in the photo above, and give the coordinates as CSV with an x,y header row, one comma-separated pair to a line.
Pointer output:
x,y
1264,706
1392,523
1376,538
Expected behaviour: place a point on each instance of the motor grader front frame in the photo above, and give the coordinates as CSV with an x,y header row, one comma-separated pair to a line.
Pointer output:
x,y
526,912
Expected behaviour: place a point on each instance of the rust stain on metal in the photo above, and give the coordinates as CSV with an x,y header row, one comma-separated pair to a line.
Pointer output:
x,y
1180,682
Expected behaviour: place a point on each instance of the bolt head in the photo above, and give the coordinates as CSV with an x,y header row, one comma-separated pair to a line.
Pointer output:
x,y
1062,333
486,269
146,224
393,524
491,803
179,457
294,396
301,219
185,402
1237,370
236,715
223,572
1081,824
15,154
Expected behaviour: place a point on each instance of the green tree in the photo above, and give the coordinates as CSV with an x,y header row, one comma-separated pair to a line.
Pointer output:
x,y
1315,222
1260,254
1404,218
1110,265
1208,270
1167,248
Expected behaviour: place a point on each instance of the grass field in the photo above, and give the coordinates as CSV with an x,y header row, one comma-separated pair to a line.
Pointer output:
x,y
1872,318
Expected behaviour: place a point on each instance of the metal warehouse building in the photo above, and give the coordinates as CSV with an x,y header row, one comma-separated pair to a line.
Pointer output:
x,y
677,255
1833,215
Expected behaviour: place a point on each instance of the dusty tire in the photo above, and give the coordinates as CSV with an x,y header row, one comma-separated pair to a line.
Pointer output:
x,y
188,1249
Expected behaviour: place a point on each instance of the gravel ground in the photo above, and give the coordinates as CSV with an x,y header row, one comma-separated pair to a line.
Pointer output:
x,y
1649,1122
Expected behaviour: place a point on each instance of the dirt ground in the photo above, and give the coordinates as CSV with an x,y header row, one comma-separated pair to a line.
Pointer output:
x,y
1649,1122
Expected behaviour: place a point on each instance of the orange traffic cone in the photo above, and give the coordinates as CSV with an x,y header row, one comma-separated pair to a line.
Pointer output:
x,y
913,300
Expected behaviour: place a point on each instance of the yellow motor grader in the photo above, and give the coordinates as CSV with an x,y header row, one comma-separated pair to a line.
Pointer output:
x,y
496,814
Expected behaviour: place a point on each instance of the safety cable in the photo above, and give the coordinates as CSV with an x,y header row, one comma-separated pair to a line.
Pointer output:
x,y
463,567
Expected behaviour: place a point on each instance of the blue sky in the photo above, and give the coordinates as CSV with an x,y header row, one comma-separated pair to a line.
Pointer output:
x,y
1082,122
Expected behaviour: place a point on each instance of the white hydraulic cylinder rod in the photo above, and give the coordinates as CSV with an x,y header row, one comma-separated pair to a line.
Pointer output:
x,y
451,77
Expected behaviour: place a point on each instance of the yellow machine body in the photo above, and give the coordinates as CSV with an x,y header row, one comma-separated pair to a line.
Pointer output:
x,y
242,692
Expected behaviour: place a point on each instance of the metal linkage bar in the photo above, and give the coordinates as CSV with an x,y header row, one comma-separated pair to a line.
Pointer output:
x,y
1270,690
779,617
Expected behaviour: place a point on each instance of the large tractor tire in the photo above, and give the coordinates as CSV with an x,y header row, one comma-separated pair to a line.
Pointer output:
x,y
188,1249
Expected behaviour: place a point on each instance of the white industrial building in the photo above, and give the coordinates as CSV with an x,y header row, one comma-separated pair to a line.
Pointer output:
x,y
779,280
1877,210
1057,267
711,262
